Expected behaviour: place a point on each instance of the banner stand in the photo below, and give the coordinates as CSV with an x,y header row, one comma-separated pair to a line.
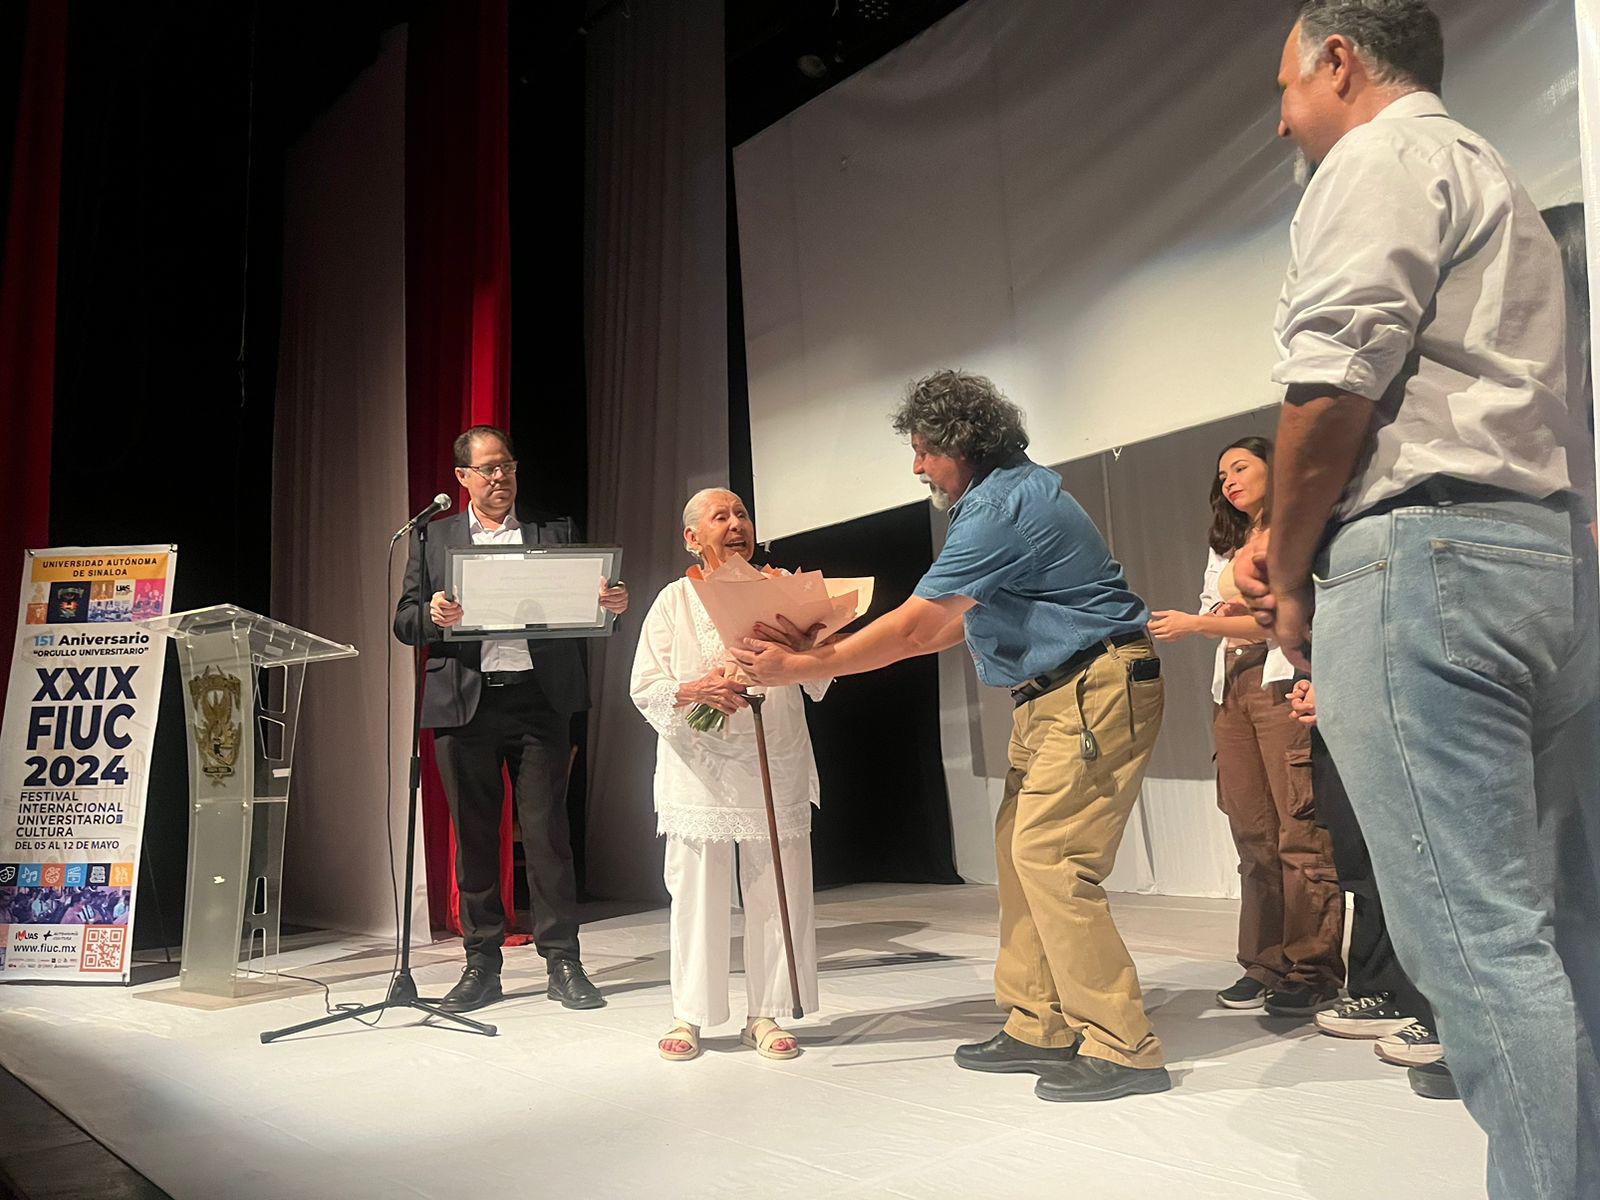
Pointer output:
x,y
75,742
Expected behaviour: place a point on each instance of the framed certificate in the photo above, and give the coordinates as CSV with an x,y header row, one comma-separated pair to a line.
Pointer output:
x,y
530,591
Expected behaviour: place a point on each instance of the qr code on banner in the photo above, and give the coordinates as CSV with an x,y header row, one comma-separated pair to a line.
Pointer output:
x,y
102,947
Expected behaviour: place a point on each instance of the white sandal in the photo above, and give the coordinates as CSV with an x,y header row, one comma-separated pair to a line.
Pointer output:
x,y
760,1035
681,1032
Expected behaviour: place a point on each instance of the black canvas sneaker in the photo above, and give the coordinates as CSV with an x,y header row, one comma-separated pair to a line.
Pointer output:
x,y
1363,1017
1414,1046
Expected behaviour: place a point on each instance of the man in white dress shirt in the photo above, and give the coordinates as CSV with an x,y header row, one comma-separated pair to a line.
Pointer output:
x,y
498,706
1423,487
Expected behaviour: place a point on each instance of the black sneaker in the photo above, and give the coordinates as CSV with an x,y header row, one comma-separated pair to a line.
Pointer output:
x,y
1414,1046
1085,1079
1247,993
1433,1082
1363,1017
1298,1000
1004,1054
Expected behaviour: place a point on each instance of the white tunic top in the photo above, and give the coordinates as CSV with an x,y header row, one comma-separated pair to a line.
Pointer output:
x,y
1278,667
708,785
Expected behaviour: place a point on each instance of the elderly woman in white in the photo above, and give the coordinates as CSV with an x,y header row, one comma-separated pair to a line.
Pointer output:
x,y
709,800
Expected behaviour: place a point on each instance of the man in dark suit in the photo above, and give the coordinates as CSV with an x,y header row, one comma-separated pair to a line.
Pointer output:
x,y
503,704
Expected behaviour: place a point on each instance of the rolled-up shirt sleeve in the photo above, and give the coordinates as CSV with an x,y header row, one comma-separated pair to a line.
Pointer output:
x,y
983,552
1369,243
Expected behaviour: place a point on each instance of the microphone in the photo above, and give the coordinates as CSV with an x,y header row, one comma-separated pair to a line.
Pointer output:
x,y
441,503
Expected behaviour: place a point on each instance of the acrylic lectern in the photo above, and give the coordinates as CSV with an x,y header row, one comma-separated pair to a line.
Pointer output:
x,y
241,676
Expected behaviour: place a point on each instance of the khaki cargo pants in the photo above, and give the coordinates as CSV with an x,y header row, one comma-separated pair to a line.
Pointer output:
x,y
1063,971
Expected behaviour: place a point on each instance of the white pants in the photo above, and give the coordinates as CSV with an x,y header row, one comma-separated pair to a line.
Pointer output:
x,y
699,876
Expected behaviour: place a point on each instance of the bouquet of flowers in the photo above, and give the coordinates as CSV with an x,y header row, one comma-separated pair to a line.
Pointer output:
x,y
738,596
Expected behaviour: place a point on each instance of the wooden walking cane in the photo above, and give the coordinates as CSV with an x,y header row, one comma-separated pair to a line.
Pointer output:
x,y
756,700
712,562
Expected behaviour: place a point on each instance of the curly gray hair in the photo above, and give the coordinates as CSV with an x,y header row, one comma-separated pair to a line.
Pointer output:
x,y
1399,41
963,415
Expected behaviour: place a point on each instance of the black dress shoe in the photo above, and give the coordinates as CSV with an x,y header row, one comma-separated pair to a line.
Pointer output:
x,y
1086,1078
479,986
1433,1081
1004,1053
571,986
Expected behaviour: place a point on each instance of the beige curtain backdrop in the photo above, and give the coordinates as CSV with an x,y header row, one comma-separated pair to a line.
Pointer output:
x,y
656,313
1015,191
339,492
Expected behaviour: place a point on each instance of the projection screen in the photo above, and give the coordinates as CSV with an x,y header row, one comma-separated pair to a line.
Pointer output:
x,y
1085,201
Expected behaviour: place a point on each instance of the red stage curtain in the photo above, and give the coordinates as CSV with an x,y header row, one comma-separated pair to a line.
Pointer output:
x,y
28,301
458,301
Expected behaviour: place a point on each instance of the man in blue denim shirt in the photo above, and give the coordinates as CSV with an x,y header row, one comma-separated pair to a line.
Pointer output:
x,y
1043,583
1027,579
1423,475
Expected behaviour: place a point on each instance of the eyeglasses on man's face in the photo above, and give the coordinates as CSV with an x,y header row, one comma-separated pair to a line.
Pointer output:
x,y
494,470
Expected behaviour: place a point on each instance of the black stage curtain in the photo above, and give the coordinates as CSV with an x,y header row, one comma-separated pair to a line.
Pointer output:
x,y
885,812
549,411
32,79
885,815
166,351
13,36
158,437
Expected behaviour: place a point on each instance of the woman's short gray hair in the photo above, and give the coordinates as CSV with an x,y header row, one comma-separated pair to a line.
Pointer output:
x,y
695,511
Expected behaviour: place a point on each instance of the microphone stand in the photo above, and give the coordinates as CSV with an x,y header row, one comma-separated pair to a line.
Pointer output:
x,y
403,989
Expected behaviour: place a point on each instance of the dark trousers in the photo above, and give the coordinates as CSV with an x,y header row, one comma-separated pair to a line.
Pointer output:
x,y
1372,965
515,729
1291,913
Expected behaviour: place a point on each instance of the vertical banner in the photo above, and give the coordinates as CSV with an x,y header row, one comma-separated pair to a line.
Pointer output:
x,y
80,716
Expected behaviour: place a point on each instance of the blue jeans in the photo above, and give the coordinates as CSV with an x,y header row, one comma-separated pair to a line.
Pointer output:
x,y
1455,657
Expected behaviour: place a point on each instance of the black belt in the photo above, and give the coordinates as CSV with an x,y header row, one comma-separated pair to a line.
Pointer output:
x,y
1039,685
1441,491
506,678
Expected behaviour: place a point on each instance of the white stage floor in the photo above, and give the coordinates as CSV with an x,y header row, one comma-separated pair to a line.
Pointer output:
x,y
579,1103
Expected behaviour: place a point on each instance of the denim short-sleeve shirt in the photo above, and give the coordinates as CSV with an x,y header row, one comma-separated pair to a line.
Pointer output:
x,y
1044,581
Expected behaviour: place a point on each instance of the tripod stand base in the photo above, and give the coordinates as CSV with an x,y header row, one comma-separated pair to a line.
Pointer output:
x,y
402,994
403,988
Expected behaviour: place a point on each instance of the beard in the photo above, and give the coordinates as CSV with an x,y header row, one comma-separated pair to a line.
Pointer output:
x,y
937,496
1304,169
